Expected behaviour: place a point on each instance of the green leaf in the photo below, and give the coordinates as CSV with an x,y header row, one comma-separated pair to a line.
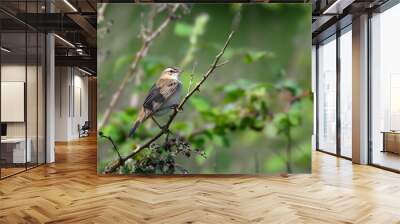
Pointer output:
x,y
233,95
200,103
185,79
302,156
126,147
235,6
275,164
185,127
199,141
221,140
114,132
200,24
207,152
152,65
253,56
144,87
180,125
264,107
246,122
183,29
282,123
265,86
124,117
121,62
295,119
209,134
126,169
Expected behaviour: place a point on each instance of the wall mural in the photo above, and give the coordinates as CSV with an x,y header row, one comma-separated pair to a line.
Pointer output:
x,y
204,88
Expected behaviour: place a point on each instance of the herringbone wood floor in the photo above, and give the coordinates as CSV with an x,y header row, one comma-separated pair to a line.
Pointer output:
x,y
70,191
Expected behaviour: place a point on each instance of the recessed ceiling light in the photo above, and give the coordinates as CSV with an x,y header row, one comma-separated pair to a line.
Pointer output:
x,y
84,71
70,5
64,40
337,7
5,50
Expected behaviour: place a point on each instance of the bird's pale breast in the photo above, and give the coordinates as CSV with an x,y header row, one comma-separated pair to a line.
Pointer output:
x,y
173,100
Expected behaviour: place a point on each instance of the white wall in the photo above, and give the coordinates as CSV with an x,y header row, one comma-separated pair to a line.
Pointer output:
x,y
61,103
80,96
12,73
34,124
71,94
16,73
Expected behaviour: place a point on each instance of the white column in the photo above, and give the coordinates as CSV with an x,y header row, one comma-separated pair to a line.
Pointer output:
x,y
360,90
50,94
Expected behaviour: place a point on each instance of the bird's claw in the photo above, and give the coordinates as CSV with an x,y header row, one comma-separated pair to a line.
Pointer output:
x,y
165,129
176,107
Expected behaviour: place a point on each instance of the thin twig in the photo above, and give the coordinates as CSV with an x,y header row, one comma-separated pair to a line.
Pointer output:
x,y
100,13
132,69
111,168
156,122
112,142
192,75
223,63
143,30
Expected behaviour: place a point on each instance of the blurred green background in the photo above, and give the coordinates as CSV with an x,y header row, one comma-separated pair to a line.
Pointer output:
x,y
250,113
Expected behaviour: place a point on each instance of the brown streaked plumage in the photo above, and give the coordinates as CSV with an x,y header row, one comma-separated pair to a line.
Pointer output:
x,y
164,94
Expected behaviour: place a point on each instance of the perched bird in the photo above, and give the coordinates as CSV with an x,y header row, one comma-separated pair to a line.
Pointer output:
x,y
163,96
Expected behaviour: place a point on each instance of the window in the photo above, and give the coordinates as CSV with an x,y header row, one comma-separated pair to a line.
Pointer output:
x,y
327,95
385,89
346,92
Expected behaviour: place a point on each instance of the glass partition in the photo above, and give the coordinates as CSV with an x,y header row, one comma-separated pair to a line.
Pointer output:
x,y
346,92
327,95
14,153
385,89
22,101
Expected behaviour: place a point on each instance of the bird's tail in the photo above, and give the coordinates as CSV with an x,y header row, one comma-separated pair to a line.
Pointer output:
x,y
143,115
135,126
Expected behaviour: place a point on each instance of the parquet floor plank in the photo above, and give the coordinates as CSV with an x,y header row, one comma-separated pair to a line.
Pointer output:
x,y
70,191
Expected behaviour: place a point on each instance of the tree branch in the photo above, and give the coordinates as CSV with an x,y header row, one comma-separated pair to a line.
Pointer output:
x,y
100,13
112,167
147,41
191,76
222,63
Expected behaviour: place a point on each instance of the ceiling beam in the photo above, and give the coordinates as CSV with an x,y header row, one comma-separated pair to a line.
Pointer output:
x,y
84,24
77,61
337,7
49,22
